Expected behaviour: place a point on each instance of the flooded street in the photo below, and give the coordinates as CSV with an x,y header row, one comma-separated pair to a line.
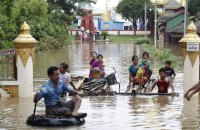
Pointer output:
x,y
107,112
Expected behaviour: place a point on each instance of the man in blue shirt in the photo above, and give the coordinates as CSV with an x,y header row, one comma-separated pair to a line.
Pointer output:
x,y
51,92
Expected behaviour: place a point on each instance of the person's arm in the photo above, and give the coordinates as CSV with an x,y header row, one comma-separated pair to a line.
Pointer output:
x,y
72,84
188,96
39,95
76,78
130,78
73,92
149,65
192,88
172,86
173,72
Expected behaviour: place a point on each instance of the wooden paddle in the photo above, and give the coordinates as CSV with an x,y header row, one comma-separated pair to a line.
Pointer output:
x,y
34,110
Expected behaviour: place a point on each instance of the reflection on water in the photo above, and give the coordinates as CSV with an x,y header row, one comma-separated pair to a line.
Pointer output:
x,y
115,112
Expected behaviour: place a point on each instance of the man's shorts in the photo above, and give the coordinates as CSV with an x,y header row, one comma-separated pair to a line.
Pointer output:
x,y
60,108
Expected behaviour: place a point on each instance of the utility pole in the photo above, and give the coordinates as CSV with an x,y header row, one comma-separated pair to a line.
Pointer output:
x,y
145,18
155,25
185,16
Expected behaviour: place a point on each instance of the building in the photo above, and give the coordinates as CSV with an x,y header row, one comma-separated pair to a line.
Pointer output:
x,y
173,16
103,19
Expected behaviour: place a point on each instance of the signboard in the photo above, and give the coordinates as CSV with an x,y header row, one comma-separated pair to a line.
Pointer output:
x,y
192,46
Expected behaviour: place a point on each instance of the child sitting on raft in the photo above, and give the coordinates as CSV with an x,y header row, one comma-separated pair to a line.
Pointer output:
x,y
134,76
162,83
146,63
97,68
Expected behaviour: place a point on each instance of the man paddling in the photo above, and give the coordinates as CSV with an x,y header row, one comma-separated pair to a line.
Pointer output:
x,y
51,92
163,83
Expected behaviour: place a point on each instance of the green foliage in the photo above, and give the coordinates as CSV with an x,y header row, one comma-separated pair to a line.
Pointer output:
x,y
70,39
7,45
47,43
163,55
143,40
104,33
133,9
193,7
124,38
48,21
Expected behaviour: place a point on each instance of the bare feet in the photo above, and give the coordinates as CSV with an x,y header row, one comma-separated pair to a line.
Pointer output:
x,y
79,115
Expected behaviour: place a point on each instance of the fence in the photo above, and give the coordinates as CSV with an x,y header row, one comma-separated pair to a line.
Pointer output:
x,y
8,70
117,32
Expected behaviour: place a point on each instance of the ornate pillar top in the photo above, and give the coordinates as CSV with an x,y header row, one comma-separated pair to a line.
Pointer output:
x,y
191,35
24,39
24,44
190,44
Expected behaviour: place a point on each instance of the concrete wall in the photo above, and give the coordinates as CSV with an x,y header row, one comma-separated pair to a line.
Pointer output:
x,y
112,25
117,32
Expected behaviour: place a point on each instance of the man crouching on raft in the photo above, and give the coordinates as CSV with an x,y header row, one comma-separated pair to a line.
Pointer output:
x,y
192,91
163,83
51,92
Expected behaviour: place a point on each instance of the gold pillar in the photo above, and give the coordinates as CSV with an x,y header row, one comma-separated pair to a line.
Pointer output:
x,y
25,44
190,55
190,38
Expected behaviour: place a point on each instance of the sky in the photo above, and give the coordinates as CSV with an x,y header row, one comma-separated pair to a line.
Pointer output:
x,y
102,3
113,3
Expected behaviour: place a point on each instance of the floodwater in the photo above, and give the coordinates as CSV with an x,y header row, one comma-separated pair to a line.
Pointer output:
x,y
107,112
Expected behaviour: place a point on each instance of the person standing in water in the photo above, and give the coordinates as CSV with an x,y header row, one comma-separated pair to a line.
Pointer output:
x,y
170,73
162,83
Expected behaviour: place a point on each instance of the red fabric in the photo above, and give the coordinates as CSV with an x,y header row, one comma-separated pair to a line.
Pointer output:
x,y
87,22
162,86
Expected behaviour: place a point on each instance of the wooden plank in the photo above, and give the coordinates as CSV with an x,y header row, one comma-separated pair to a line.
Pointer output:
x,y
148,94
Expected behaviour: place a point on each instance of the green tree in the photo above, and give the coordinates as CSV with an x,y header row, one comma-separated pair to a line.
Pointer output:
x,y
132,9
193,7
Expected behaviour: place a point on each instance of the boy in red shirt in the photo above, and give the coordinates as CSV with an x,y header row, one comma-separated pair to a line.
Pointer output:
x,y
163,83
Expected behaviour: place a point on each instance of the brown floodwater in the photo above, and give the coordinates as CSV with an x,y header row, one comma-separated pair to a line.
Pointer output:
x,y
107,112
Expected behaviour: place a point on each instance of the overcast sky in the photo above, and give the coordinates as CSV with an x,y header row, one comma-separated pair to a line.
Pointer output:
x,y
113,3
102,3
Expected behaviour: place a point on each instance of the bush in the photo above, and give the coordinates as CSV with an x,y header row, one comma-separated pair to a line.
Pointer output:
x,y
143,41
48,42
104,33
163,55
7,45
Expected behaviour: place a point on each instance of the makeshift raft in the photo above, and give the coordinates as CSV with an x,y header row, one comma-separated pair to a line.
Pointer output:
x,y
51,121
98,86
147,94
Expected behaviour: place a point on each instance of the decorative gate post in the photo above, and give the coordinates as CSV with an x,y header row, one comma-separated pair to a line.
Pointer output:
x,y
190,54
25,49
